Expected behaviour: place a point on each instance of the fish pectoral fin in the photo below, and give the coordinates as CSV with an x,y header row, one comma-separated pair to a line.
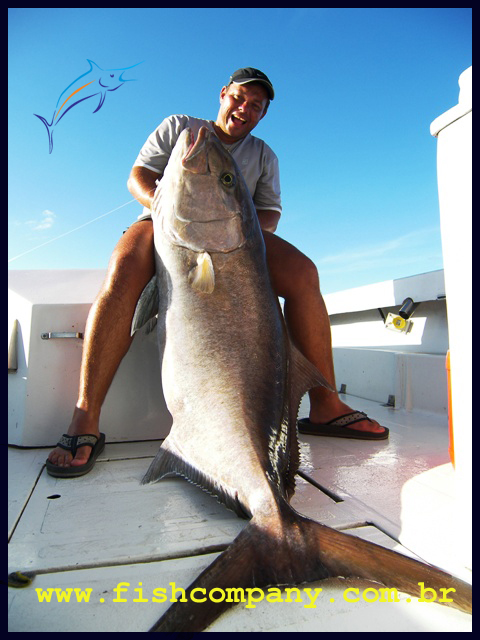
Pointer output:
x,y
202,276
102,100
147,308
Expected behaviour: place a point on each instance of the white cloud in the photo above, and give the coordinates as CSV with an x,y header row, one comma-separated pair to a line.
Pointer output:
x,y
405,248
46,221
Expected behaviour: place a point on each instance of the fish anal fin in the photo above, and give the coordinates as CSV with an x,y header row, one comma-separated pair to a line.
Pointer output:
x,y
164,464
202,276
169,462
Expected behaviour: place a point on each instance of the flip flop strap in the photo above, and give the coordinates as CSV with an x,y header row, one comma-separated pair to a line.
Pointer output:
x,y
349,418
73,443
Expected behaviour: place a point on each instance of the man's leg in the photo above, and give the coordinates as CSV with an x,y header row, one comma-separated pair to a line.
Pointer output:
x,y
295,278
107,333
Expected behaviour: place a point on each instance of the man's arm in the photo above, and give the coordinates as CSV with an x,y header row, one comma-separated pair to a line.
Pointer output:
x,y
268,219
141,184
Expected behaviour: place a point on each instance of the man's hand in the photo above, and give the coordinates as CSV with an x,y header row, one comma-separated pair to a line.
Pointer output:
x,y
142,184
268,219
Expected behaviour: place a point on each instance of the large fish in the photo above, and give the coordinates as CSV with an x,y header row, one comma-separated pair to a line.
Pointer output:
x,y
233,382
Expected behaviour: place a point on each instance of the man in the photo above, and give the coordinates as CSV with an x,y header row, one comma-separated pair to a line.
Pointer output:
x,y
243,103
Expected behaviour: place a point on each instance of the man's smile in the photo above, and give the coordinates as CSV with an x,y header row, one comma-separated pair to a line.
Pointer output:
x,y
238,119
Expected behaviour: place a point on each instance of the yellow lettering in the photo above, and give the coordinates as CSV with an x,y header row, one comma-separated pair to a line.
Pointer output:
x,y
236,591
140,594
348,599
274,595
198,599
288,592
252,599
44,596
445,591
63,596
159,595
174,590
375,593
222,595
312,604
83,595
423,591
386,593
121,587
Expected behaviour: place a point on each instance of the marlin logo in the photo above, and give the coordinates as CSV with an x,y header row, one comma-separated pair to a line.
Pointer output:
x,y
94,82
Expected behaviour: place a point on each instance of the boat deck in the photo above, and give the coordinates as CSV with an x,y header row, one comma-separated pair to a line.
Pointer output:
x,y
104,529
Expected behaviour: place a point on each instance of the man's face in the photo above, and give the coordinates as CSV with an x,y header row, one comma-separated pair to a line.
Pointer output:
x,y
242,106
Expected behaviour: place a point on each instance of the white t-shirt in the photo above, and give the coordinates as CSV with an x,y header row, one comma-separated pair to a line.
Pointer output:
x,y
257,162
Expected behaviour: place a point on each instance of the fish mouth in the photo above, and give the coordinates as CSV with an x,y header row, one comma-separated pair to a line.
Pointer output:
x,y
205,218
195,158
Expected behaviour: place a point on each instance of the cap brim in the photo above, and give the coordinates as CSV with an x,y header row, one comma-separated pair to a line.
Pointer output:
x,y
268,87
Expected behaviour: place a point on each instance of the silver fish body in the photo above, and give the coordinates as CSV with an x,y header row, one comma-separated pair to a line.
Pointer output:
x,y
230,412
233,382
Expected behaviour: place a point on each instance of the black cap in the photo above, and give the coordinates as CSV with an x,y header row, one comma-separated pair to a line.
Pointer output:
x,y
249,74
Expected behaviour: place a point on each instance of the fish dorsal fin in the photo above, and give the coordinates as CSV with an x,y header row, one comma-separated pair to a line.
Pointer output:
x,y
202,276
147,308
302,376
305,375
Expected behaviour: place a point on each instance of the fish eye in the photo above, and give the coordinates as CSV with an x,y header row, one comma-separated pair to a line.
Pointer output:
x,y
228,179
111,75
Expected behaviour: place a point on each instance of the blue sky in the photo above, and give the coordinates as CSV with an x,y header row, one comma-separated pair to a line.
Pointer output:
x,y
356,91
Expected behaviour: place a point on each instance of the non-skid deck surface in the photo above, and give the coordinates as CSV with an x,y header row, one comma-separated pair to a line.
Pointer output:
x,y
104,529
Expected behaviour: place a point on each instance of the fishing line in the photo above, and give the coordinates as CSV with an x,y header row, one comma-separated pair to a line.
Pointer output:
x,y
72,230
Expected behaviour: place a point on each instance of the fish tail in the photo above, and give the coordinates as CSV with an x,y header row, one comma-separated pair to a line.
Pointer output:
x,y
299,551
234,569
348,556
49,131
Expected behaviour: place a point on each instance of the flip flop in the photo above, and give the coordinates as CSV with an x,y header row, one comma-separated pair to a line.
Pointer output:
x,y
338,427
72,444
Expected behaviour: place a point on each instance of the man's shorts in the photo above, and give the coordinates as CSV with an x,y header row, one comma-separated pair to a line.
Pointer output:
x,y
145,215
